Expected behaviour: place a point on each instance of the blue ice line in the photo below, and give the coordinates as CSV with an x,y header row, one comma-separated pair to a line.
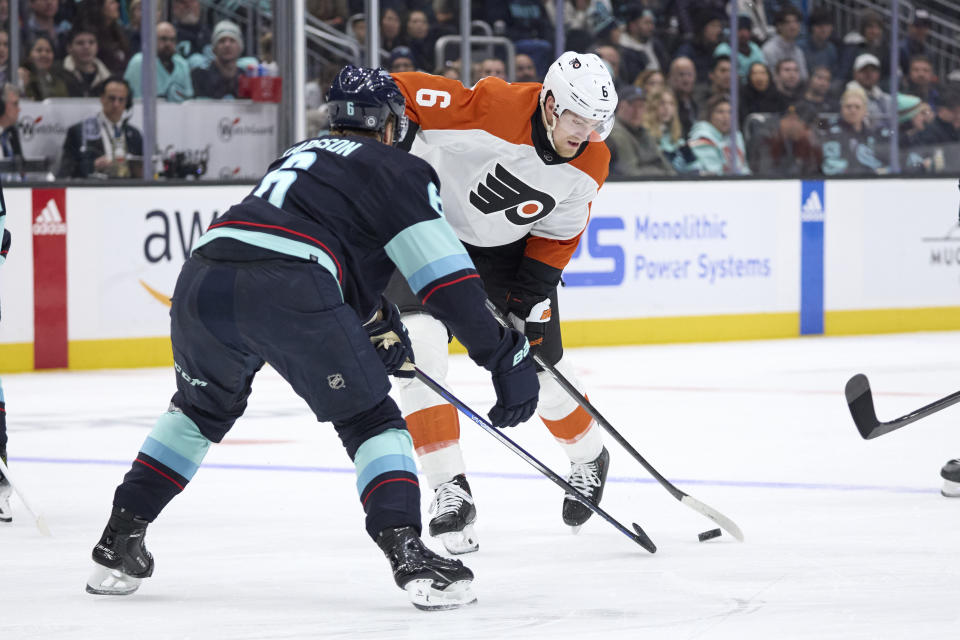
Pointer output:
x,y
743,484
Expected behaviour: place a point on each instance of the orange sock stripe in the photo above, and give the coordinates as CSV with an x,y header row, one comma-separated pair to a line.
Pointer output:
x,y
434,426
571,427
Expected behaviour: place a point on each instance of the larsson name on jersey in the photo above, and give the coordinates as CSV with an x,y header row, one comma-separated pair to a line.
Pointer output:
x,y
333,145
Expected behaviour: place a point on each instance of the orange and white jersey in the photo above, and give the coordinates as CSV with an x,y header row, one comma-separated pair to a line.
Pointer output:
x,y
497,183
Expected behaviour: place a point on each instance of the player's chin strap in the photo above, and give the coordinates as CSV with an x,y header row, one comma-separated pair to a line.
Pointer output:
x,y
546,125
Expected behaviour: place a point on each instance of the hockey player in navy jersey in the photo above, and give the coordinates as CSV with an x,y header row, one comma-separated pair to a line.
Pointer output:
x,y
293,276
5,488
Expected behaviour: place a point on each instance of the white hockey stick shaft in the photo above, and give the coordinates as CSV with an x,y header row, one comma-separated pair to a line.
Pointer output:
x,y
37,517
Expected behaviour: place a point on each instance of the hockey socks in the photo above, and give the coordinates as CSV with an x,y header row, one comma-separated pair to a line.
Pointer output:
x,y
167,461
387,481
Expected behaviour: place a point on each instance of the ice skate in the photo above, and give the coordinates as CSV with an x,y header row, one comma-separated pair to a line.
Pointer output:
x,y
951,479
6,489
121,556
454,516
588,478
432,581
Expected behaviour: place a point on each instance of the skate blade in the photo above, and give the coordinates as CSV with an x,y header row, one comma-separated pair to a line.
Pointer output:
x,y
460,542
111,582
575,529
426,598
950,489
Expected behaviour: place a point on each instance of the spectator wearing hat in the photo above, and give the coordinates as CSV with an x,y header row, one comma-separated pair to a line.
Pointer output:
x,y
819,50
748,51
869,39
915,43
85,70
850,145
634,152
710,140
173,72
913,116
784,44
219,79
700,49
719,82
866,76
638,35
401,59
789,147
817,94
920,80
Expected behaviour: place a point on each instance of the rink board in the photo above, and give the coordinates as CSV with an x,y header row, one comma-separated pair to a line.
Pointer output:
x,y
91,270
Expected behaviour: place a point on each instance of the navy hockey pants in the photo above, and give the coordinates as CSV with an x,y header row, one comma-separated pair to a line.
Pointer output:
x,y
227,320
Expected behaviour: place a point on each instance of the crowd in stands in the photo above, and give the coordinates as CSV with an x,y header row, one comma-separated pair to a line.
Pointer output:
x,y
809,100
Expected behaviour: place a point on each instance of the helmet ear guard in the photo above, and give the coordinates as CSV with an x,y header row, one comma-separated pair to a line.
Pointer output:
x,y
581,83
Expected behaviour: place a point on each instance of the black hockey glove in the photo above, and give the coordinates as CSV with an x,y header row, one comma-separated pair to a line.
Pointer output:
x,y
529,314
514,379
391,340
4,245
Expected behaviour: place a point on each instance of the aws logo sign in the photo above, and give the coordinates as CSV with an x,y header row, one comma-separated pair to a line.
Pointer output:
x,y
600,251
173,235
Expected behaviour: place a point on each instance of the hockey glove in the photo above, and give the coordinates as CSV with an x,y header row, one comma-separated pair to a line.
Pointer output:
x,y
530,316
514,379
391,340
4,245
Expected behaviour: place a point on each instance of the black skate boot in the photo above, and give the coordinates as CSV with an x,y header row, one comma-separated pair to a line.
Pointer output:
x,y
432,582
6,515
588,478
455,515
121,556
951,479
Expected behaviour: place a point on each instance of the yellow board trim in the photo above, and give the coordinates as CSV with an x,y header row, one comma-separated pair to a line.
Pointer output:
x,y
124,353
157,352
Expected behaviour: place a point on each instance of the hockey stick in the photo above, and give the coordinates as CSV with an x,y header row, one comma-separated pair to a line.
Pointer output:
x,y
640,537
860,401
704,509
38,518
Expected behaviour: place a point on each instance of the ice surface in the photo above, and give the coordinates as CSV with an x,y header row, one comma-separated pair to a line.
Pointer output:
x,y
844,538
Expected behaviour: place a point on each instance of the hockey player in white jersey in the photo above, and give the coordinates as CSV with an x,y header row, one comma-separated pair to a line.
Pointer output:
x,y
519,166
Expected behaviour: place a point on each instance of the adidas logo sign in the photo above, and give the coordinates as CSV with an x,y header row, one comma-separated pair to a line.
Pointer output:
x,y
812,210
49,222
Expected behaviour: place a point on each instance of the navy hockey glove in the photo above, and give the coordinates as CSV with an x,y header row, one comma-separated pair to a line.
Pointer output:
x,y
391,340
529,315
514,380
4,245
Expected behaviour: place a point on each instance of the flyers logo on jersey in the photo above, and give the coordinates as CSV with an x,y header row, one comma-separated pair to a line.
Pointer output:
x,y
503,191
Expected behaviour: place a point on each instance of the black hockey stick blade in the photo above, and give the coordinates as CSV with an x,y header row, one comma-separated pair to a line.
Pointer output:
x,y
643,539
860,402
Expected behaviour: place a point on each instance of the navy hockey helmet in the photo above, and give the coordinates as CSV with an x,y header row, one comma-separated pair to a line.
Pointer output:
x,y
363,98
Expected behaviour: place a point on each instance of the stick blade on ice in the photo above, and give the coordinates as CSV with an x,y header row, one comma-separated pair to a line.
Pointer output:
x,y
860,402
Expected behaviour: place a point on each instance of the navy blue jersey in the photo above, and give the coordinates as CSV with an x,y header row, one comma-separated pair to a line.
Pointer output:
x,y
360,209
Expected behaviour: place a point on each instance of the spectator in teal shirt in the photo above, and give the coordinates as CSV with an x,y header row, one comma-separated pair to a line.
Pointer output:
x,y
173,72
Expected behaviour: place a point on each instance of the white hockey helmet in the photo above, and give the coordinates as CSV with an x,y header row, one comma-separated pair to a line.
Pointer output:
x,y
581,83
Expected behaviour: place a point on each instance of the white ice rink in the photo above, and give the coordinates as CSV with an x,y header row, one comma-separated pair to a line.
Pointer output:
x,y
844,538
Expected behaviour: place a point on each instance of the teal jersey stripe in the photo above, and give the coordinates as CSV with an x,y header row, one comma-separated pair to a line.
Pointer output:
x,y
437,269
279,244
384,464
169,457
180,434
423,244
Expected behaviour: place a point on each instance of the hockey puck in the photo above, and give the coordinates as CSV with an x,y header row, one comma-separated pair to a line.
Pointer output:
x,y
707,535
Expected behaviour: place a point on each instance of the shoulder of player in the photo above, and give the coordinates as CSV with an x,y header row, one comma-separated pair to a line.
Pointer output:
x,y
595,162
